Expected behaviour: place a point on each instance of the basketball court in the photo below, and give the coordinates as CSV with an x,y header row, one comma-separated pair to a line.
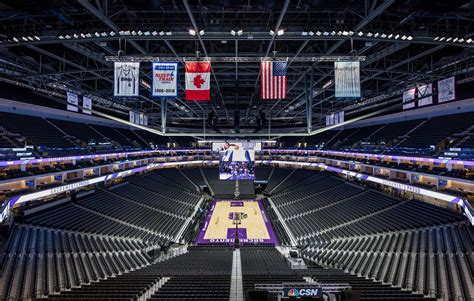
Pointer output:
x,y
253,223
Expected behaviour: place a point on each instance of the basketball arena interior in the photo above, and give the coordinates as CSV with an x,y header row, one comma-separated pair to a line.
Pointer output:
x,y
237,150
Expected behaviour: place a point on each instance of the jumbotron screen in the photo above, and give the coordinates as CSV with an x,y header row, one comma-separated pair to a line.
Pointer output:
x,y
236,159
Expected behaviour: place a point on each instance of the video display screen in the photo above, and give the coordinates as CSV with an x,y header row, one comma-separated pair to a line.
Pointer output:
x,y
236,159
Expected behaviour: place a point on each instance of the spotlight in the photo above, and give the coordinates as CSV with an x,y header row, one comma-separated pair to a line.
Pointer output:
x,y
97,34
121,32
397,36
161,33
75,35
112,33
409,38
240,32
311,33
360,33
271,32
461,40
134,33
455,40
383,36
404,37
16,40
154,33
168,33
469,40
24,39
67,36
333,33
83,35
376,34
140,33
325,33
390,36
304,33
232,32
318,33
88,35
442,39
147,33
345,33
351,33
104,34
369,34
37,38
192,32
436,39
280,32
201,32
449,39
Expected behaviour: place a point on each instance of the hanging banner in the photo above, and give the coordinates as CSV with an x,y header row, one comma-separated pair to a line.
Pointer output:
x,y
131,116
145,120
273,79
140,122
164,80
126,78
347,79
137,118
73,102
425,90
446,90
408,99
86,105
198,77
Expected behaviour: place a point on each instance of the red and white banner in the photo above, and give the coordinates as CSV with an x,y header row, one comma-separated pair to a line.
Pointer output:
x,y
198,77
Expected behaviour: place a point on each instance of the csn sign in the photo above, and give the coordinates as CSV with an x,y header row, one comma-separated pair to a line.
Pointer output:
x,y
295,292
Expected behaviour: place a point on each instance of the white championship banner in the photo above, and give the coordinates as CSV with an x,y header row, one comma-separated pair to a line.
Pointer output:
x,y
446,90
72,102
164,80
408,97
126,78
132,117
86,105
425,90
347,79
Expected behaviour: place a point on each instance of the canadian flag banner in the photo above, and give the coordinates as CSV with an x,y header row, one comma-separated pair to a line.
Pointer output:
x,y
198,76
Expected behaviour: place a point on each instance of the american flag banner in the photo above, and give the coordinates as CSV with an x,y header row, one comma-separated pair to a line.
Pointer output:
x,y
273,79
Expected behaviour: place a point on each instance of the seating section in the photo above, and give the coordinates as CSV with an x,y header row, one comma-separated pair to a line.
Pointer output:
x,y
436,129
203,273
38,261
262,173
36,129
436,261
79,131
409,244
277,176
219,188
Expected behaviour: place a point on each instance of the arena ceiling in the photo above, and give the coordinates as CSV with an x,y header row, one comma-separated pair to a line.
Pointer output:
x,y
54,46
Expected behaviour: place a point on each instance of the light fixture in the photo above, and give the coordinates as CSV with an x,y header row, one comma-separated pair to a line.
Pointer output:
x,y
24,39
112,33
461,40
333,33
75,35
409,38
339,33
154,33
311,33
376,34
449,39
351,33
397,36
240,32
67,36
383,36
325,33
134,33
360,33
455,40
121,32
304,33
83,35
140,33
345,33
280,32
147,33
390,36
16,40
404,37
318,33
37,38
469,40
161,33
97,34
436,39
192,32
369,34
88,35
202,32
104,34
442,39
271,32
232,32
